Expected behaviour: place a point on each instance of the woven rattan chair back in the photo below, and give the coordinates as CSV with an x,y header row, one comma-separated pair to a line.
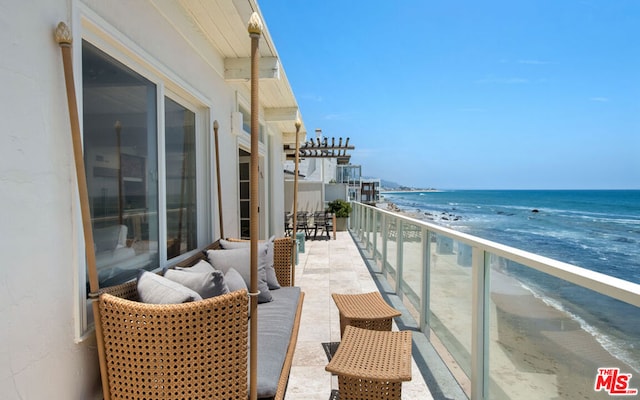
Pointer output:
x,y
194,350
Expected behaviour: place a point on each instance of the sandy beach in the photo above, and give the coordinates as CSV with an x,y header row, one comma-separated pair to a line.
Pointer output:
x,y
536,351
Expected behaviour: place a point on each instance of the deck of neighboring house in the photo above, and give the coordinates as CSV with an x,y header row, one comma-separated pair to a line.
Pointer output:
x,y
325,267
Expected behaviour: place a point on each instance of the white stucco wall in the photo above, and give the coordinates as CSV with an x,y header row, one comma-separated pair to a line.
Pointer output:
x,y
276,190
309,196
335,191
38,356
41,239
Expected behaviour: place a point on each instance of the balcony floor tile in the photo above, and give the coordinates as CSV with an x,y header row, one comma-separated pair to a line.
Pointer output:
x,y
326,267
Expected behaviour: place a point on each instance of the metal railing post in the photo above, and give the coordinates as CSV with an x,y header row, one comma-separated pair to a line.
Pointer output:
x,y
426,280
385,240
479,325
399,260
353,216
354,219
367,226
365,213
375,236
360,216
359,221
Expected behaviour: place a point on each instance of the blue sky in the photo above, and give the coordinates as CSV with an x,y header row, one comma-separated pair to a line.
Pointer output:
x,y
536,94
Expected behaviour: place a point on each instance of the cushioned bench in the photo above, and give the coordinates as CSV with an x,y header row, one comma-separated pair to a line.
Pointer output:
x,y
199,349
277,322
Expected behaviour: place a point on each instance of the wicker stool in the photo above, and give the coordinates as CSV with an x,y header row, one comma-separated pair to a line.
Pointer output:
x,y
372,364
366,310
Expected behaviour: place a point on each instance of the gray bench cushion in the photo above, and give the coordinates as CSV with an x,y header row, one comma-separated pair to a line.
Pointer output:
x,y
275,325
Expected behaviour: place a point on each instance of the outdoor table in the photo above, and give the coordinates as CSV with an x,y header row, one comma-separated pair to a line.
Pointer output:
x,y
365,310
372,364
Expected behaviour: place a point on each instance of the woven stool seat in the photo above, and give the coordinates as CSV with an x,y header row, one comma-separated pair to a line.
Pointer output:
x,y
372,364
365,310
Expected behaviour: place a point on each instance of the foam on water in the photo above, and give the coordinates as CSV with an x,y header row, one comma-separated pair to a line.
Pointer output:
x,y
614,346
598,230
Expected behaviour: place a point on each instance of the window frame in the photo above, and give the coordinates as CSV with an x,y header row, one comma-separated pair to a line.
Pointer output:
x,y
203,174
243,107
244,143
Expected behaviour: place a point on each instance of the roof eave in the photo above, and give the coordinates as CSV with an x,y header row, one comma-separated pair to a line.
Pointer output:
x,y
223,25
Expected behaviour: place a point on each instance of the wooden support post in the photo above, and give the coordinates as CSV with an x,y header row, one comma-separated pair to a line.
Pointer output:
x,y
334,226
215,138
295,197
64,39
255,31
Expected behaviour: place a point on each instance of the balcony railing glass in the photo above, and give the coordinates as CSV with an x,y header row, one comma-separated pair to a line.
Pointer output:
x,y
518,325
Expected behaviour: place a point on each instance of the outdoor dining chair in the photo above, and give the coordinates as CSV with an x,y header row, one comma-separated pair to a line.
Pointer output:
x,y
302,223
320,222
288,223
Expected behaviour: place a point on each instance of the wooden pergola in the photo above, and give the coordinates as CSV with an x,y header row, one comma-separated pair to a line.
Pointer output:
x,y
322,149
313,149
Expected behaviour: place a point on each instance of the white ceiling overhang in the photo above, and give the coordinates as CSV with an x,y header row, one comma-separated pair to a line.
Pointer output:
x,y
217,30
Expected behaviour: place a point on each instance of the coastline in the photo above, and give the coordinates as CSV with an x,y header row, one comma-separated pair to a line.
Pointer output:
x,y
532,340
596,229
428,190
421,215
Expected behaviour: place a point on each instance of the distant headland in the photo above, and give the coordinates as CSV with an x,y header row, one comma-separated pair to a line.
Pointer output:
x,y
393,187
407,190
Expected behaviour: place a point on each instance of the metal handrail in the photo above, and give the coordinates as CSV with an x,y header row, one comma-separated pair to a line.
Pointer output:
x,y
617,288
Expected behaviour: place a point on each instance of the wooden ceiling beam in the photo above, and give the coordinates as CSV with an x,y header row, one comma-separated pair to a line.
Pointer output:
x,y
239,69
281,114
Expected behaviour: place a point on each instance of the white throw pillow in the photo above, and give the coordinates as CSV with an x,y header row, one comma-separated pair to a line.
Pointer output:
x,y
206,284
155,289
201,267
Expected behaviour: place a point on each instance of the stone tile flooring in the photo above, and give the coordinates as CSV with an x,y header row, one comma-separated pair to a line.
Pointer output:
x,y
330,266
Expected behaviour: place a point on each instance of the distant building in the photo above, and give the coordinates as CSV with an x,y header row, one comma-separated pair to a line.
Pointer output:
x,y
369,190
351,176
325,175
365,190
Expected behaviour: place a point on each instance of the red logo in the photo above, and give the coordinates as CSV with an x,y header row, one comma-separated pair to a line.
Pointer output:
x,y
614,382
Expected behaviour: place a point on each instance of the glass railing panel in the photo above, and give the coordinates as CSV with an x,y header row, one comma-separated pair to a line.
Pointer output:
x,y
412,267
363,226
369,228
392,225
354,217
378,239
451,298
552,336
546,337
362,223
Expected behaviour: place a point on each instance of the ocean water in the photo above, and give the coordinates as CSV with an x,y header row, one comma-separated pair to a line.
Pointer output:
x,y
597,230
